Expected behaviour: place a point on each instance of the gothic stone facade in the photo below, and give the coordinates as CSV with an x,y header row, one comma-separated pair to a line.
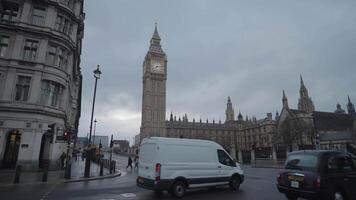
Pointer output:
x,y
230,134
246,138
40,79
305,128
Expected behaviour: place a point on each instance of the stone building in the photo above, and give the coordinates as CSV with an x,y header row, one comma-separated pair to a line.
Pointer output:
x,y
154,90
234,135
121,146
40,79
245,139
305,128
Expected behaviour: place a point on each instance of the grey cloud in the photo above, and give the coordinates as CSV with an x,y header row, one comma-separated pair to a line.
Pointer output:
x,y
249,50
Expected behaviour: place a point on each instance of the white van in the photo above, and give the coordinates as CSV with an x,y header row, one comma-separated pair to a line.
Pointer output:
x,y
175,165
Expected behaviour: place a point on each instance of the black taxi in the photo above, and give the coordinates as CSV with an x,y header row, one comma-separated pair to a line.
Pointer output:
x,y
318,174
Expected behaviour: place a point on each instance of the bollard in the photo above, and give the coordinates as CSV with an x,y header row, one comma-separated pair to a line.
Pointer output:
x,y
17,174
111,166
114,166
101,168
45,174
68,171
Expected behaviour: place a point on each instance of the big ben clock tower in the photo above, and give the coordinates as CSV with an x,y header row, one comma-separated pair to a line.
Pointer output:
x,y
154,90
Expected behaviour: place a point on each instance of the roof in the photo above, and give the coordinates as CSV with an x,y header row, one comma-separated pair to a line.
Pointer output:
x,y
314,152
329,121
295,111
179,141
155,34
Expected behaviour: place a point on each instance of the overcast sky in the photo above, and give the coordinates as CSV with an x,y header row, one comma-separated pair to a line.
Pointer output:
x,y
249,50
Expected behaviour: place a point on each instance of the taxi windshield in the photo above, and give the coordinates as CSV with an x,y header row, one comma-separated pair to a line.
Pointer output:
x,y
302,162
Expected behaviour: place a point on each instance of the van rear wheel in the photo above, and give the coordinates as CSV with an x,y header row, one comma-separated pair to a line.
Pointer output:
x,y
235,183
178,189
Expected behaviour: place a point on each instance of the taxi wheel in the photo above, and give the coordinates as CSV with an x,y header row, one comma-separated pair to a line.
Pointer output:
x,y
338,195
291,197
158,192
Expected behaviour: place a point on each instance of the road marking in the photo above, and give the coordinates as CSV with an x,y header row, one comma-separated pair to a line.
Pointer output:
x,y
128,195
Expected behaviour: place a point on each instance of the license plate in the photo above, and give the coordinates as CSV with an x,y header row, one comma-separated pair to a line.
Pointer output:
x,y
294,184
296,178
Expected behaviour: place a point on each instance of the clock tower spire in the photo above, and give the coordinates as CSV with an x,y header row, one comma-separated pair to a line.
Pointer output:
x,y
153,117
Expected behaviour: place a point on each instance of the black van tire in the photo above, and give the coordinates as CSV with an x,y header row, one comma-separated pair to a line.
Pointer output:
x,y
235,183
178,189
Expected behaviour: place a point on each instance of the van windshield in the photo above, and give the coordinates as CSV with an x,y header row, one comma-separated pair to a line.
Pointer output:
x,y
148,153
305,162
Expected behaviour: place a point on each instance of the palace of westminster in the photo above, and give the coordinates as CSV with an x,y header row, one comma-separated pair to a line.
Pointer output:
x,y
245,138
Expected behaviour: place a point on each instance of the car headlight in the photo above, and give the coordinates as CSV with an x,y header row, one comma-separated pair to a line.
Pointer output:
x,y
238,166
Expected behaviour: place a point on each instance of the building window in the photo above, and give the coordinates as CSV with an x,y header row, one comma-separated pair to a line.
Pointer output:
x,y
38,16
57,56
63,25
68,3
30,50
50,93
22,88
10,11
4,45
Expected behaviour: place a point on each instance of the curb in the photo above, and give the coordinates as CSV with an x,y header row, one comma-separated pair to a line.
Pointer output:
x,y
64,181
93,178
272,167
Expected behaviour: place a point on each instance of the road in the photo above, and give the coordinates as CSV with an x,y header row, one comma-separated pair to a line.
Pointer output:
x,y
259,184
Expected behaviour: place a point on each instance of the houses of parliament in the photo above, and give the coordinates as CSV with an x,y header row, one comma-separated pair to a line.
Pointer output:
x,y
245,138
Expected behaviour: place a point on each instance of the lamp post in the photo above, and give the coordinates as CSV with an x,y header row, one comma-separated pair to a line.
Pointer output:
x,y
94,131
97,73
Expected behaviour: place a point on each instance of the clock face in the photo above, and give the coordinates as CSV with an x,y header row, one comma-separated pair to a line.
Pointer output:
x,y
157,67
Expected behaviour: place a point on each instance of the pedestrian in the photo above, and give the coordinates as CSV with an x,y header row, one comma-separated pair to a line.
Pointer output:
x,y
136,162
63,158
83,155
129,163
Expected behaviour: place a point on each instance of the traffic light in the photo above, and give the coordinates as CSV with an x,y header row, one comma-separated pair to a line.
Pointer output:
x,y
50,131
66,135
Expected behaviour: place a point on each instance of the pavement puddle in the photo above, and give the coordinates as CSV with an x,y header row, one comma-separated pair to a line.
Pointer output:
x,y
128,195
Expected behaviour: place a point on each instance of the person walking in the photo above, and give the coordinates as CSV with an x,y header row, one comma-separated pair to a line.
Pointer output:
x,y
63,160
129,163
136,162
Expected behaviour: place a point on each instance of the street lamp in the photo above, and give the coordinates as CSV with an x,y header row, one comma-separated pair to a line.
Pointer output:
x,y
97,74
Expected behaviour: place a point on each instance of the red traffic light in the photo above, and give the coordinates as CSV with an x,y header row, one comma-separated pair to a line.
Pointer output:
x,y
66,135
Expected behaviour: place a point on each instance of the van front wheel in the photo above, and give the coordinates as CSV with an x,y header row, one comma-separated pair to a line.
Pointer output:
x,y
178,189
235,183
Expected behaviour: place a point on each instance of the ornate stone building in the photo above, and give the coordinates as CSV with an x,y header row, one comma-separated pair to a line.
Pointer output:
x,y
40,79
305,128
246,139
234,135
154,90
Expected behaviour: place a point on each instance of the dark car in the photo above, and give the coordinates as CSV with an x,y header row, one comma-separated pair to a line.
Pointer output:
x,y
318,174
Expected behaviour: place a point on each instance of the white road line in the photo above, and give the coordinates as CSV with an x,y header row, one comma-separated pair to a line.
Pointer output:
x,y
128,195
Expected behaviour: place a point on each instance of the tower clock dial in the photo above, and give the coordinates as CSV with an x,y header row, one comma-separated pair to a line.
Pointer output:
x,y
157,67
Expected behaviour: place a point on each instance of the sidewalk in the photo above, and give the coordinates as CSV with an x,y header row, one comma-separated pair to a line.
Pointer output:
x,y
77,174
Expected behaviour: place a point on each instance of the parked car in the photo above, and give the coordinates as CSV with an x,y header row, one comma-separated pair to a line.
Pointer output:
x,y
176,165
318,174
